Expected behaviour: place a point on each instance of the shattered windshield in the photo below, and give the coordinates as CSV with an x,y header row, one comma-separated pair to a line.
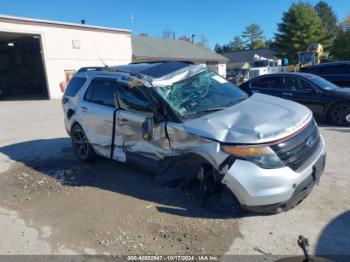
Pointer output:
x,y
202,93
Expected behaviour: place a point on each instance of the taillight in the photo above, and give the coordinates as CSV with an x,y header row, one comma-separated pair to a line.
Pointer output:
x,y
64,100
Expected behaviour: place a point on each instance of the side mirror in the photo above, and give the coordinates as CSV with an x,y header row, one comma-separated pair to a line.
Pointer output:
x,y
148,129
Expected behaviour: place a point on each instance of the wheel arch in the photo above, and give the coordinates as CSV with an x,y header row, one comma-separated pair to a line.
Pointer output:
x,y
331,105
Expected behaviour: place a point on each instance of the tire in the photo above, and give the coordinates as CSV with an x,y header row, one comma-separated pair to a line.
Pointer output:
x,y
204,185
339,114
81,146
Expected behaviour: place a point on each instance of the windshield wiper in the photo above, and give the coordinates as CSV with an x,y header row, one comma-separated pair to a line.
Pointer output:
x,y
222,107
211,109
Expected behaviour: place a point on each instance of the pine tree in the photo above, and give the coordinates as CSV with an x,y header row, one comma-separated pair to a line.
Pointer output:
x,y
218,48
237,44
341,46
300,27
327,16
254,36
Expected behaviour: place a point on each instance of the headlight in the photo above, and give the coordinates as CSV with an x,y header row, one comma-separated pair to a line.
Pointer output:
x,y
262,156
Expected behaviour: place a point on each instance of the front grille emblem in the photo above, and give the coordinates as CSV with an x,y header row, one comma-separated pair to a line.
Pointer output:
x,y
310,141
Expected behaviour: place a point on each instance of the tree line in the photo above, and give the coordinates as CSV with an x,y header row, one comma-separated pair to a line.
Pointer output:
x,y
201,41
303,24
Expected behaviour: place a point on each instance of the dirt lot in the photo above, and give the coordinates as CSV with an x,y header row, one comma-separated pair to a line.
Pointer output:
x,y
50,203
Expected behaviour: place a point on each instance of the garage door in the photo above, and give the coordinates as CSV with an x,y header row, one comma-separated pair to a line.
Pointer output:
x,y
22,74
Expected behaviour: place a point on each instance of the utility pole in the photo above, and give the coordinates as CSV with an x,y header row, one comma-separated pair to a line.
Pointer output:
x,y
132,21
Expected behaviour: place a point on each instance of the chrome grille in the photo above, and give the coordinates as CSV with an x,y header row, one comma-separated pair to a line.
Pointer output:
x,y
296,150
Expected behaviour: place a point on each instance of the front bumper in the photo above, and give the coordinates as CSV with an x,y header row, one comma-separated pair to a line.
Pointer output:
x,y
266,190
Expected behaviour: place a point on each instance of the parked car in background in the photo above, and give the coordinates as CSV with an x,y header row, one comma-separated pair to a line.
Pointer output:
x,y
336,72
190,126
327,101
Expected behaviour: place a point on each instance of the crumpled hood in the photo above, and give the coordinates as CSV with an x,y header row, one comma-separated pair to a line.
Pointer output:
x,y
258,119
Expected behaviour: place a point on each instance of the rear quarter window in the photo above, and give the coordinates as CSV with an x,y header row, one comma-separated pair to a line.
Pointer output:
x,y
74,86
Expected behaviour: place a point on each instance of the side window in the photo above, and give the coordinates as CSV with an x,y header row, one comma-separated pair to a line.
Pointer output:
x,y
101,91
305,86
291,83
74,86
268,82
133,100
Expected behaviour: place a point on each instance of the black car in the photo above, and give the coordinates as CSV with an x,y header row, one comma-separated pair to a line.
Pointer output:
x,y
336,72
327,101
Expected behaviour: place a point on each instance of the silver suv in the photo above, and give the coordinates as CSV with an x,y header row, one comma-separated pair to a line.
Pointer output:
x,y
186,125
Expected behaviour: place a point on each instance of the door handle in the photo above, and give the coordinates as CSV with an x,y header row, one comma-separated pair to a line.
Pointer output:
x,y
123,121
287,94
84,109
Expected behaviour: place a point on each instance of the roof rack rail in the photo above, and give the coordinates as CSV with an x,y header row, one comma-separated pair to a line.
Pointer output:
x,y
162,61
110,69
92,68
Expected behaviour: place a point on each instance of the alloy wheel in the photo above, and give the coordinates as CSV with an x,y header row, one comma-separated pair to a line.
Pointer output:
x,y
80,142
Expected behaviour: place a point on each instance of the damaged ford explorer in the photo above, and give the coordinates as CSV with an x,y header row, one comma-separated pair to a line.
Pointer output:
x,y
186,125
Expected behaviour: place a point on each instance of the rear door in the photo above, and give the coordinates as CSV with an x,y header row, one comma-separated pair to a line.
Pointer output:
x,y
270,85
134,109
96,113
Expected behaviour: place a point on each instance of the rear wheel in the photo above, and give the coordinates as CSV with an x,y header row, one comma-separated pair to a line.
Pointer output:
x,y
81,145
340,115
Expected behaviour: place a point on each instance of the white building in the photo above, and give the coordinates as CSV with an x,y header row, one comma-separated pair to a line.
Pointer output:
x,y
37,57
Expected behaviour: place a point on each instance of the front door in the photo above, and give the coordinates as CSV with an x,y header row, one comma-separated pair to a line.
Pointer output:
x,y
134,109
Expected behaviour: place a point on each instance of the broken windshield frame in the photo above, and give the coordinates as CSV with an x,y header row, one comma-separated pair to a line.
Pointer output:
x,y
202,93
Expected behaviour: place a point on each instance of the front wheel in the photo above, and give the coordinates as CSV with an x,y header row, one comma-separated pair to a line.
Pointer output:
x,y
204,185
81,145
340,115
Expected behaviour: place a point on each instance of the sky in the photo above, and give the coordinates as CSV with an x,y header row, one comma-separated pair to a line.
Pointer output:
x,y
219,20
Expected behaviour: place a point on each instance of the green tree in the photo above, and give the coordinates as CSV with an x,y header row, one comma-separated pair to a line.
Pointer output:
x,y
327,16
237,44
253,36
300,27
218,48
226,48
341,45
269,43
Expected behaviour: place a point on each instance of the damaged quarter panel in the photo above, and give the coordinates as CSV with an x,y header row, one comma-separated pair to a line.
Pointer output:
x,y
183,143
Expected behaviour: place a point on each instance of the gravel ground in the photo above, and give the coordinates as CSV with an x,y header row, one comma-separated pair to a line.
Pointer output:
x,y
50,203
